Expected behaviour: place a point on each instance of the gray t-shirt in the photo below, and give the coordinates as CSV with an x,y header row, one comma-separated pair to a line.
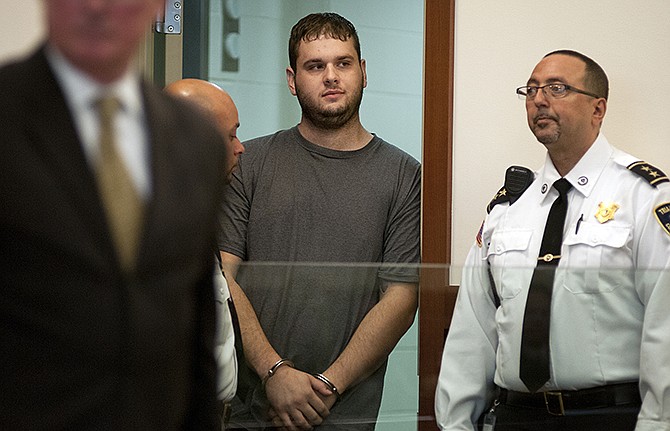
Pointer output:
x,y
319,230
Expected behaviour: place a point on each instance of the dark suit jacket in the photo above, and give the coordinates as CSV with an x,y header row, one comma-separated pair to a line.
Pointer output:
x,y
81,345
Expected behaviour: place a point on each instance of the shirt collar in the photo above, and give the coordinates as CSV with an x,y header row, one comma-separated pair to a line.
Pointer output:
x,y
586,172
80,90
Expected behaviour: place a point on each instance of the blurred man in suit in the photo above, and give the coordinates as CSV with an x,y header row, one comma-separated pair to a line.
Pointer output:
x,y
107,308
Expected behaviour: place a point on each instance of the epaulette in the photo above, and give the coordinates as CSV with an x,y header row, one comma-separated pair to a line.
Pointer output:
x,y
651,174
500,197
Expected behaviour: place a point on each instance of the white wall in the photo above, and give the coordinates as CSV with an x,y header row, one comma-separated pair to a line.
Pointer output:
x,y
21,27
498,43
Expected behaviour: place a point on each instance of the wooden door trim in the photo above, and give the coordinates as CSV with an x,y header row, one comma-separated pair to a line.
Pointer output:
x,y
436,297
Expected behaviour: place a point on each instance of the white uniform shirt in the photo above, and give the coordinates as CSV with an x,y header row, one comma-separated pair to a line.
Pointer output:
x,y
610,318
224,346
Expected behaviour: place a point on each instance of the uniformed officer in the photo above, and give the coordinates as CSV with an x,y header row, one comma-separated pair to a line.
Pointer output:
x,y
607,341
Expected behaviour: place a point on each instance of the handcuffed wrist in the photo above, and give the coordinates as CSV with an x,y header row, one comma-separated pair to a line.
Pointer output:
x,y
331,387
273,369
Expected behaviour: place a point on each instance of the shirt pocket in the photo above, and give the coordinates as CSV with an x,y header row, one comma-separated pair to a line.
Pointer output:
x,y
508,257
599,258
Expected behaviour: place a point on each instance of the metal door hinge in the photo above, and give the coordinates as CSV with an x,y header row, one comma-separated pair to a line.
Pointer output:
x,y
169,22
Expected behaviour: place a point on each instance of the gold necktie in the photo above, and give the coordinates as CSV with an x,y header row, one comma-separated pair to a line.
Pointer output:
x,y
123,205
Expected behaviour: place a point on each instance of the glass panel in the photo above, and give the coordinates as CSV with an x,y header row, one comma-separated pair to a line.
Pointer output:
x,y
313,309
595,311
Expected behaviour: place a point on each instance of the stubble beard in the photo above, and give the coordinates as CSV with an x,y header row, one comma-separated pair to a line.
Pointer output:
x,y
329,118
547,135
548,138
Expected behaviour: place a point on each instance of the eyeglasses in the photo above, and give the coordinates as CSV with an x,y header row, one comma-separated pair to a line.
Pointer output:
x,y
555,90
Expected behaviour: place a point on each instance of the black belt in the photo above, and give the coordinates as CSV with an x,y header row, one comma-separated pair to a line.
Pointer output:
x,y
558,402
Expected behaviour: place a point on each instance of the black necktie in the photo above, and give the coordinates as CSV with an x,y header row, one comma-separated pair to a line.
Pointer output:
x,y
534,366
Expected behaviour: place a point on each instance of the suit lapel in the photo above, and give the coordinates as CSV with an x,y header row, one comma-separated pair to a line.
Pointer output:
x,y
179,189
160,207
183,182
51,129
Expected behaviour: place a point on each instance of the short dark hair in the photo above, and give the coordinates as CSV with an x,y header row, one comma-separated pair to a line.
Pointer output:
x,y
595,78
316,25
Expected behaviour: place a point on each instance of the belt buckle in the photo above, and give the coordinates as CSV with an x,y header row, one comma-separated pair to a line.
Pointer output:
x,y
553,400
225,417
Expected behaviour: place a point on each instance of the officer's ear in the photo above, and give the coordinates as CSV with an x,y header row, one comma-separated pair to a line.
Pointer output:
x,y
599,110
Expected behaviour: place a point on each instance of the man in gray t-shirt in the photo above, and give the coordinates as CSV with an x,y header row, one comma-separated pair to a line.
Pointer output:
x,y
326,218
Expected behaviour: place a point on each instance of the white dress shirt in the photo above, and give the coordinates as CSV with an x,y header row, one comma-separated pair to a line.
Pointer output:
x,y
610,318
131,131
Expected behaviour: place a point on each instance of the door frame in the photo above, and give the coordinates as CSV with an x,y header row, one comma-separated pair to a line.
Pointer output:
x,y
437,297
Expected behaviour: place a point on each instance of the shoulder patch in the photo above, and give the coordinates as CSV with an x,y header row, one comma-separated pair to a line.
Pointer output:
x,y
651,174
478,237
662,213
500,197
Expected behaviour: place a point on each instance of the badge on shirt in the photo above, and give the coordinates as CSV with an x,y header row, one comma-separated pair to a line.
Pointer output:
x,y
662,213
606,211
